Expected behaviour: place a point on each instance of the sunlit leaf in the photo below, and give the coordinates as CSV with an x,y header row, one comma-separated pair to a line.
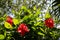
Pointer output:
x,y
41,33
42,29
50,32
30,15
13,11
34,7
15,21
29,11
47,15
25,18
37,12
24,7
38,23
7,25
1,37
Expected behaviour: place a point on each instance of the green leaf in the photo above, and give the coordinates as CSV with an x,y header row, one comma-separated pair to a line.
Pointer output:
x,y
37,12
1,37
34,7
24,7
5,15
13,11
33,28
30,15
7,25
47,15
29,11
38,23
5,33
41,33
50,32
15,21
25,18
38,18
42,29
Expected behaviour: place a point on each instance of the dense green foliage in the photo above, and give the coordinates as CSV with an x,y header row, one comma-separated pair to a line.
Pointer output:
x,y
28,15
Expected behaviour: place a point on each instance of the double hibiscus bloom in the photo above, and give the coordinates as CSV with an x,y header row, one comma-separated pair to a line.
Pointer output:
x,y
49,23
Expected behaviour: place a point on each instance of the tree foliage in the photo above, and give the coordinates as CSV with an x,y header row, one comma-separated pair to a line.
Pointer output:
x,y
28,13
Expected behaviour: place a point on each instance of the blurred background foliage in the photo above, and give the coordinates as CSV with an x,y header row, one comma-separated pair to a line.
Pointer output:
x,y
33,13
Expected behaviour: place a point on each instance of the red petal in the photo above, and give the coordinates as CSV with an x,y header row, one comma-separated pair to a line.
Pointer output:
x,y
9,20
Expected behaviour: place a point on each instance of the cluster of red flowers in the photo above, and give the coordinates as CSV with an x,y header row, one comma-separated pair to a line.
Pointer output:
x,y
22,29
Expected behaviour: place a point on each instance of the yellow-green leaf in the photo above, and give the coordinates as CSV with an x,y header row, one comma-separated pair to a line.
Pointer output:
x,y
38,23
5,33
34,7
50,32
42,29
37,12
41,33
7,25
33,28
15,21
23,7
29,11
25,18
30,15
13,11
1,37
47,15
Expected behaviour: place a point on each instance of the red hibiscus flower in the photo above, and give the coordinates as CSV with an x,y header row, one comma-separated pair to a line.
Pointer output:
x,y
49,22
22,29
